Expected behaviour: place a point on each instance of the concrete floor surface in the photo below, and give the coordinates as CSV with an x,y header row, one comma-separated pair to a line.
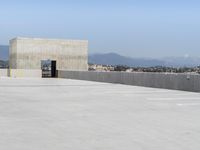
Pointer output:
x,y
61,114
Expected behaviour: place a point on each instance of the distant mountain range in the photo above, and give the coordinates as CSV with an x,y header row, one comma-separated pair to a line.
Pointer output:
x,y
4,52
3,64
116,59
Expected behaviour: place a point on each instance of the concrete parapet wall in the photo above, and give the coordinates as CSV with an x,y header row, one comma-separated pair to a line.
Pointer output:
x,y
21,73
3,72
183,82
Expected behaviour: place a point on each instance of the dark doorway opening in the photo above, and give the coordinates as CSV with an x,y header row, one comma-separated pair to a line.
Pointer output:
x,y
48,68
53,69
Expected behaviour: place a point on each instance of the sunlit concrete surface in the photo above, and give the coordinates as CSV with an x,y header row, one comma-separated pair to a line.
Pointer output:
x,y
61,114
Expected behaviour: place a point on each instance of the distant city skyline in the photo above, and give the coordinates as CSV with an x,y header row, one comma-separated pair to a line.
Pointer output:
x,y
131,28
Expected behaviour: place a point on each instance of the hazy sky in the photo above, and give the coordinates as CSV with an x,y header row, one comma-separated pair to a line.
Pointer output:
x,y
137,28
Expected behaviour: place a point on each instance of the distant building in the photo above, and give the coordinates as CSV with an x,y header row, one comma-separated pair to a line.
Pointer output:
x,y
27,54
95,67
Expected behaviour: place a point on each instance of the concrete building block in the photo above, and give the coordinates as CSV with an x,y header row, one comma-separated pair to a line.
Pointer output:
x,y
27,53
21,73
3,72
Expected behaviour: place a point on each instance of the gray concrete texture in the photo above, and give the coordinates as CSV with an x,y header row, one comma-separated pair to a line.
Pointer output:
x,y
21,73
62,114
3,72
27,53
185,82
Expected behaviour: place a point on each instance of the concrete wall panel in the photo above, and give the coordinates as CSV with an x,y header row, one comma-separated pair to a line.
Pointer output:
x,y
156,80
27,53
3,72
21,73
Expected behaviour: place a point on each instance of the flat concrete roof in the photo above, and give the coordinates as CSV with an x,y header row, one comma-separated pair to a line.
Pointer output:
x,y
48,39
61,114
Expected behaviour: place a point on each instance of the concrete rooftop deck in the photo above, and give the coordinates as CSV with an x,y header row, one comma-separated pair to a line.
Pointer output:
x,y
61,114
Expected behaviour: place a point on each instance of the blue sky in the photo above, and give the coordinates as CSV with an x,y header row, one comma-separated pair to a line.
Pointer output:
x,y
137,28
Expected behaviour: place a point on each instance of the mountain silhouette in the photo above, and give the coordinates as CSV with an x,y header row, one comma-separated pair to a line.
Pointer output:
x,y
4,52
